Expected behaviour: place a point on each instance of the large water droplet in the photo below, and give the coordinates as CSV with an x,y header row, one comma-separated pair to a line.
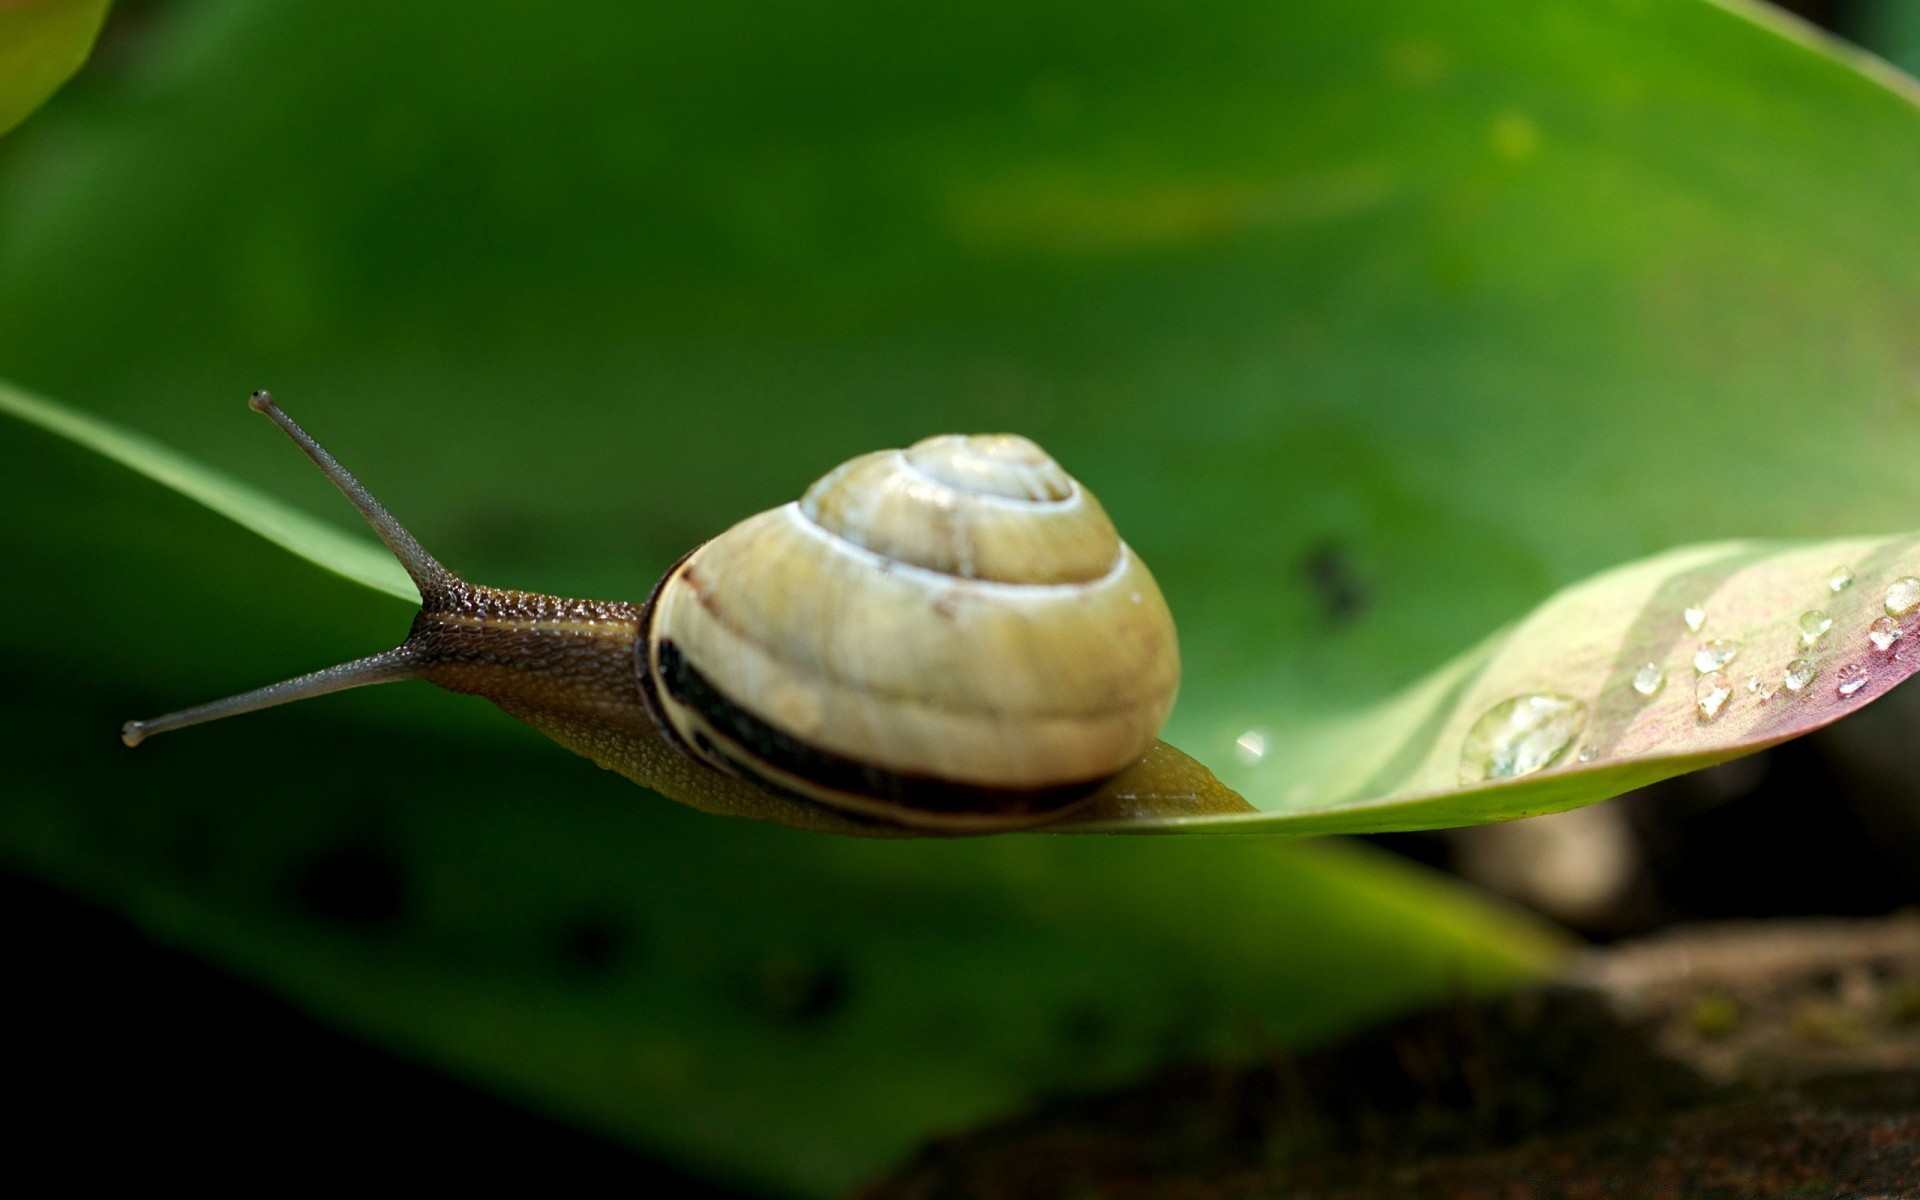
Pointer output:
x,y
1840,580
1520,736
1903,596
1710,695
1586,753
1883,633
1853,677
1251,746
1813,626
1799,674
1694,616
1649,679
1714,655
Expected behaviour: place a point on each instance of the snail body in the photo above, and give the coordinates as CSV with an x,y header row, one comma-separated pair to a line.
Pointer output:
x,y
950,638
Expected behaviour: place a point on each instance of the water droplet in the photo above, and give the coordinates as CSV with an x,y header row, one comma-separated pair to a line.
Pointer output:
x,y
1840,580
1813,626
1251,746
1714,655
1853,677
1799,674
1649,679
1711,694
1883,633
1767,695
1695,617
1753,683
1903,596
1586,754
1520,736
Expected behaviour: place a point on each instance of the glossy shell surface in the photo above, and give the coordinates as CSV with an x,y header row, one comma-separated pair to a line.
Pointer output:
x,y
951,636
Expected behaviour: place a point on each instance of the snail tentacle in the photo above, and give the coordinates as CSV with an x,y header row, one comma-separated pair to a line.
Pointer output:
x,y
386,667
425,570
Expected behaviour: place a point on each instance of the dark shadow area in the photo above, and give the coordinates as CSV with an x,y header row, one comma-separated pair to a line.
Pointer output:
x,y
1796,831
126,1060
1732,1061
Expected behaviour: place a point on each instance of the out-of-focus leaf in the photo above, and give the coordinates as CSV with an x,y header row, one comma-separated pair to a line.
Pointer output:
x,y
42,43
791,1010
1889,28
1373,324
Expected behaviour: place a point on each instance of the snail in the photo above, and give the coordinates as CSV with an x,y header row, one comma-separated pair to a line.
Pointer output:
x,y
947,639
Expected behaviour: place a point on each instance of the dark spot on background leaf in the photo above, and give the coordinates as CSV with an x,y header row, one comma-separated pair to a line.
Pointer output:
x,y
193,848
799,990
356,884
495,531
1085,1029
1330,574
593,945
125,39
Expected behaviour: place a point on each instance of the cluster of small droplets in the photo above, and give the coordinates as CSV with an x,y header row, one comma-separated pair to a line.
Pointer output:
x,y
1902,599
1529,732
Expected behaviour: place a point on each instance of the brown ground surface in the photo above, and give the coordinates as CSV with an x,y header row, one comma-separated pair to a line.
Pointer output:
x,y
1770,1059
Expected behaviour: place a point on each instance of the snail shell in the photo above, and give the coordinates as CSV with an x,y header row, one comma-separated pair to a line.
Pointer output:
x,y
949,636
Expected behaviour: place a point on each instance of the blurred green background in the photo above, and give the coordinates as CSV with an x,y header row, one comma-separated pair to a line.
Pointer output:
x,y
1371,324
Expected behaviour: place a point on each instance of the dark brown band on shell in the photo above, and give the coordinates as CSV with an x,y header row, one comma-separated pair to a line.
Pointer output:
x,y
837,773
643,666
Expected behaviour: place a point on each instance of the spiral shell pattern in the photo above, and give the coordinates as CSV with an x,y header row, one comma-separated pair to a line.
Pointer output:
x,y
950,636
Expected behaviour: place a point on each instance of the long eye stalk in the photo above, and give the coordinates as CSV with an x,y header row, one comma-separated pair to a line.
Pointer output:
x,y
435,582
386,667
427,573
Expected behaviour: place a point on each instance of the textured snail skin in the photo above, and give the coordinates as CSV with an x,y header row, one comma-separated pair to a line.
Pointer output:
x,y
565,667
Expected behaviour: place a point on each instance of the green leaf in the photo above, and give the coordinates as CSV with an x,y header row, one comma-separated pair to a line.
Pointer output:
x,y
42,42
